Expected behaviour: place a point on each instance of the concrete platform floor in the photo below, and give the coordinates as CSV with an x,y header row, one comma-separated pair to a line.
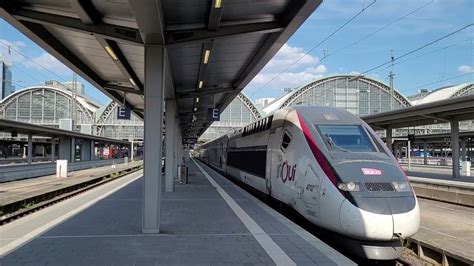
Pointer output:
x,y
209,221
14,191
447,226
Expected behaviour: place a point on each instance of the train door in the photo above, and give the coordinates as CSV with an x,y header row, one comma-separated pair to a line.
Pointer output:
x,y
282,166
274,157
311,184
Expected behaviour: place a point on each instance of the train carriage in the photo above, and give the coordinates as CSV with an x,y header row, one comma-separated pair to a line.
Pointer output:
x,y
329,166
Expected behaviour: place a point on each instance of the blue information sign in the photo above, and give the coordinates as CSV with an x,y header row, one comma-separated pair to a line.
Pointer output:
x,y
123,112
213,114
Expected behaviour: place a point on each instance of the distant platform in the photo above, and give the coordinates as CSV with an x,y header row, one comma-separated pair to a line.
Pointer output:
x,y
17,197
448,229
437,172
208,221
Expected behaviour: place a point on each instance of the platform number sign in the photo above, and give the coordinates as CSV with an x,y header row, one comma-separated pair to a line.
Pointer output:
x,y
123,112
213,114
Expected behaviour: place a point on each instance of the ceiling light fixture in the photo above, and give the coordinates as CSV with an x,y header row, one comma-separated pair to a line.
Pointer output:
x,y
200,84
195,109
207,53
218,4
111,53
132,81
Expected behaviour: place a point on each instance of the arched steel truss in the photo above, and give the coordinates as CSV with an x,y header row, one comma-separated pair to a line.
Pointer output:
x,y
400,98
463,90
249,104
104,116
5,103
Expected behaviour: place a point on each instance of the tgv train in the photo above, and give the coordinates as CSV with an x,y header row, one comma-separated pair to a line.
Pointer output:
x,y
331,167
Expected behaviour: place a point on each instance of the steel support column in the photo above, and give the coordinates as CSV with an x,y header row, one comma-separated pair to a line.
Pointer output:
x,y
455,148
409,154
153,123
30,148
170,121
463,150
65,149
388,138
73,150
178,144
53,150
131,149
92,150
86,150
425,153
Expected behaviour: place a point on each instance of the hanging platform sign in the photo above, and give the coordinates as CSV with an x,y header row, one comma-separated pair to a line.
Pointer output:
x,y
213,114
123,112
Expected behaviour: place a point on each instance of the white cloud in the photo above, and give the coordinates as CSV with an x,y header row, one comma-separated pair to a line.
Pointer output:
x,y
297,69
466,69
287,56
47,61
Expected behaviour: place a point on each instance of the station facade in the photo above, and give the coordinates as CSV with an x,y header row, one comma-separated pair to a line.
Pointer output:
x,y
240,112
48,104
359,95
53,103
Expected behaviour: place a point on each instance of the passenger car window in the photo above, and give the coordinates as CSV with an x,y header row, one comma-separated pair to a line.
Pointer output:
x,y
286,141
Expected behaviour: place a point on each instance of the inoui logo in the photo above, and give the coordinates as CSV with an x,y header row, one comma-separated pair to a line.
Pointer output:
x,y
287,172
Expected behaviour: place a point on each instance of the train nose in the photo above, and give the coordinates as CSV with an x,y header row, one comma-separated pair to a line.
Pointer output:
x,y
381,221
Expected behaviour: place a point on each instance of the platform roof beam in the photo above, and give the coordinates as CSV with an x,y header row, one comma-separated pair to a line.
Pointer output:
x,y
89,16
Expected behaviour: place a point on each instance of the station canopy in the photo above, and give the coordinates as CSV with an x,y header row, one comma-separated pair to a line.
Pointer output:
x,y
437,112
214,48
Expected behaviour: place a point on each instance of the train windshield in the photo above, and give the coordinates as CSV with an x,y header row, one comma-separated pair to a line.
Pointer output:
x,y
346,138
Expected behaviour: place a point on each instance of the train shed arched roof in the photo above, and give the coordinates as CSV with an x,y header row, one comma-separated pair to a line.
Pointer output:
x,y
85,103
289,98
446,93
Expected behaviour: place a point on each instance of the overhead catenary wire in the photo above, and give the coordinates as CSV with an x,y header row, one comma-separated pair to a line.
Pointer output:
x,y
29,75
26,73
317,45
31,60
418,49
438,81
377,30
424,54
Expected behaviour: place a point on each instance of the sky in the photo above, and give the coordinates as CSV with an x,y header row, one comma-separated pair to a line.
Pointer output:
x,y
362,44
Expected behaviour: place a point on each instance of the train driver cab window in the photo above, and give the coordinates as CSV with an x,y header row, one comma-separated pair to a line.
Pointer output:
x,y
346,138
286,141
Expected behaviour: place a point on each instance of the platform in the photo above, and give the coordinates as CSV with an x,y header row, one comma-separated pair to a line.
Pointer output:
x,y
208,221
447,228
435,182
26,188
436,172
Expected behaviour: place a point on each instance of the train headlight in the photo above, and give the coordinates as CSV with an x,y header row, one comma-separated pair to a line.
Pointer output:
x,y
401,186
348,186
